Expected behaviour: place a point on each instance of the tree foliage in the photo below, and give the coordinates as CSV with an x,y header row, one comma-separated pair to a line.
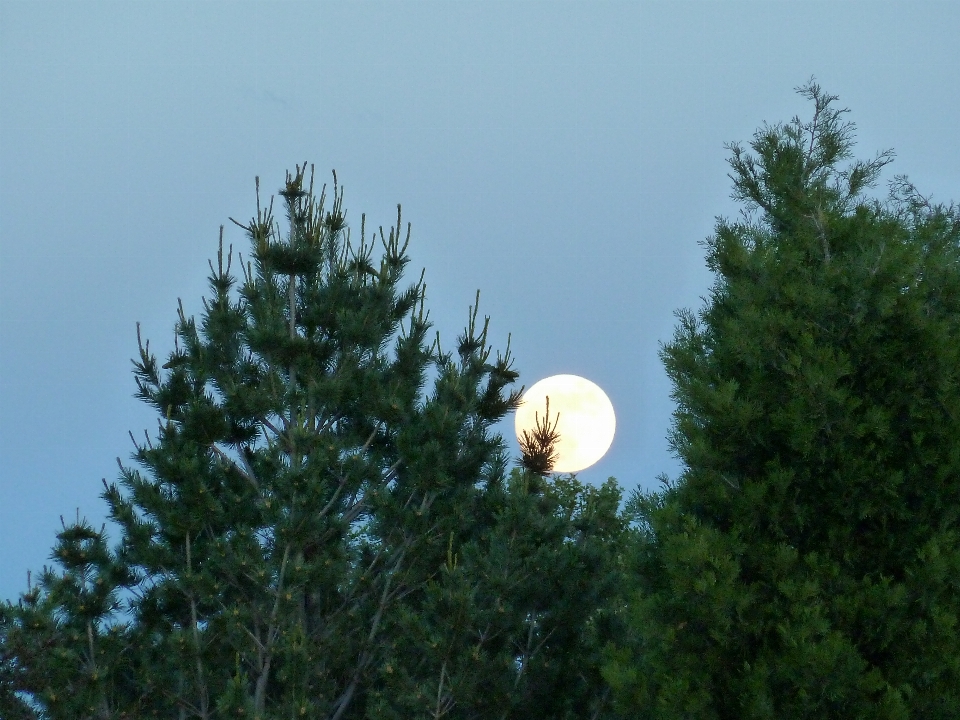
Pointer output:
x,y
324,525
806,564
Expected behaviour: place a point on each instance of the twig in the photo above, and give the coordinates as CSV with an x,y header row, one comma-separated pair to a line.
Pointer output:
x,y
366,656
273,631
204,695
230,461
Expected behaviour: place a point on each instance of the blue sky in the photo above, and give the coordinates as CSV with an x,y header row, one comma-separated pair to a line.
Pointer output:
x,y
565,158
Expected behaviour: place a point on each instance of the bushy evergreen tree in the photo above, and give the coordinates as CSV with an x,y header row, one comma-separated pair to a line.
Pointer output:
x,y
515,623
806,564
317,535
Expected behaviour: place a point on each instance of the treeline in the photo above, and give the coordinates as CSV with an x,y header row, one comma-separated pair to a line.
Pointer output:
x,y
326,524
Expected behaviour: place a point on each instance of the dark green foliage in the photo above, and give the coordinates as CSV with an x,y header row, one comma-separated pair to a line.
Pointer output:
x,y
539,445
514,623
807,562
325,527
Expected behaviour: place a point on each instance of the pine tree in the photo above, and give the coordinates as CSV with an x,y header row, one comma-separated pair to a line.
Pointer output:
x,y
317,535
515,622
806,564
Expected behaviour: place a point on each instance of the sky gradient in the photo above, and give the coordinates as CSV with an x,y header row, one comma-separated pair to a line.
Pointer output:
x,y
564,158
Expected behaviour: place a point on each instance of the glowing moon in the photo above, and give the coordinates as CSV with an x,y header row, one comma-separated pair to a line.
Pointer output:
x,y
586,424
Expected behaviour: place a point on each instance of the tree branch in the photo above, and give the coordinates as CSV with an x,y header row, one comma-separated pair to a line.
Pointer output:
x,y
201,675
244,473
273,631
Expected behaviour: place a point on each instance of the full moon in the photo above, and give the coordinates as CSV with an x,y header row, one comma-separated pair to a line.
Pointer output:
x,y
586,423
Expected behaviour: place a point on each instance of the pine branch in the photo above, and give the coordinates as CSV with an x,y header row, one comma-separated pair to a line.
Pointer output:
x,y
195,632
245,473
539,446
273,631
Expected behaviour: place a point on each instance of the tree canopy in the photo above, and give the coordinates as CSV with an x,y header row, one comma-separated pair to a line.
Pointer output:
x,y
325,524
806,563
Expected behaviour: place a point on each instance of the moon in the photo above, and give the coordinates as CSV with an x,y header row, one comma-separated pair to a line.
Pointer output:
x,y
586,424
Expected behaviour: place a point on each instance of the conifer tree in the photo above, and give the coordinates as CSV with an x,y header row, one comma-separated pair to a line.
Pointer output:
x,y
515,623
317,534
806,564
